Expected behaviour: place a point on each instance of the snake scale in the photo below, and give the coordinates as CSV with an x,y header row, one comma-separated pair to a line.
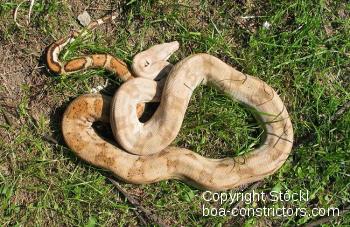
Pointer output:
x,y
142,154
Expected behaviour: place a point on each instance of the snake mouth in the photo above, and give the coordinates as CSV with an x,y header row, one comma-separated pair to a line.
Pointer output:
x,y
162,52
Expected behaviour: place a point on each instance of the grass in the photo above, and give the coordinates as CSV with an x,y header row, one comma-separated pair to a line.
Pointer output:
x,y
304,56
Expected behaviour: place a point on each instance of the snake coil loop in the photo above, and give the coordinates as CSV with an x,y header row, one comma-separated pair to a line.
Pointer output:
x,y
145,156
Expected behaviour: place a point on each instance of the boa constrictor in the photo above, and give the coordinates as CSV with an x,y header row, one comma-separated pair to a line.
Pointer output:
x,y
146,157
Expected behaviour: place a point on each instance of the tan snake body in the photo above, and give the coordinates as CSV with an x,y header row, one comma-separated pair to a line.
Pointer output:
x,y
166,162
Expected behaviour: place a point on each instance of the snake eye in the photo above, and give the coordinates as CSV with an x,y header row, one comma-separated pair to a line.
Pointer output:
x,y
146,63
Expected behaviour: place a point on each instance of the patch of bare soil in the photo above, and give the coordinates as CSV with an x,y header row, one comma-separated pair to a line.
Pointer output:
x,y
23,76
20,72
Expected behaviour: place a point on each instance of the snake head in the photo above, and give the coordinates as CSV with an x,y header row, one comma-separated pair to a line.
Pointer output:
x,y
152,63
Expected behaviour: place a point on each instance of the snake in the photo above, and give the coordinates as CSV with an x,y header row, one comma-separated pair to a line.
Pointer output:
x,y
105,61
141,153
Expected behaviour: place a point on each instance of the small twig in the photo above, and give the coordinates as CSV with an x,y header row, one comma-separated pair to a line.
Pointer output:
x,y
241,202
7,119
50,139
249,17
327,219
340,112
153,218
248,189
131,200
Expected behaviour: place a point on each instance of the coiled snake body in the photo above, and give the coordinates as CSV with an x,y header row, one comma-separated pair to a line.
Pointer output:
x,y
147,156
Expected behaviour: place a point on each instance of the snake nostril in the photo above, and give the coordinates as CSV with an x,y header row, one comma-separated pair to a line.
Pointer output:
x,y
146,63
